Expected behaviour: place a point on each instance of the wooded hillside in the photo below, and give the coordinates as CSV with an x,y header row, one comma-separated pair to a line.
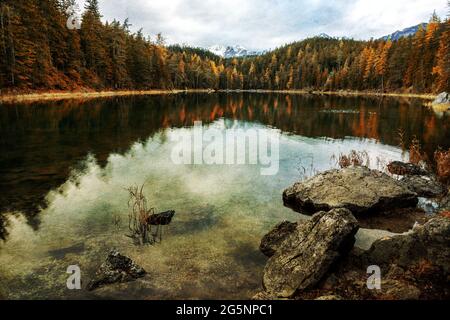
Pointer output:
x,y
39,52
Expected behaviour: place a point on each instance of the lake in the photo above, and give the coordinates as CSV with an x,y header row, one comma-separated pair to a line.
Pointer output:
x,y
65,167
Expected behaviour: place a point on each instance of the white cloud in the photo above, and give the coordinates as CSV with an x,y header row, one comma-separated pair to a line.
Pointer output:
x,y
262,24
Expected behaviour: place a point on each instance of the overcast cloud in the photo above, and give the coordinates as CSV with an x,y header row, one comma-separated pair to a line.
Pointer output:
x,y
265,24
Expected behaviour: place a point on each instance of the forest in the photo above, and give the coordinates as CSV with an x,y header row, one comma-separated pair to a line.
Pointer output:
x,y
39,52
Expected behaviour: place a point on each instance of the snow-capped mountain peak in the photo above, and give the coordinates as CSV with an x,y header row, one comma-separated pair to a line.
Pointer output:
x,y
232,51
324,35
405,32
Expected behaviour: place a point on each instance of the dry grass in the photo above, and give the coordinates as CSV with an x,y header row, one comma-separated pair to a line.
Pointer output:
x,y
139,215
53,96
67,95
354,158
416,156
442,158
424,267
401,139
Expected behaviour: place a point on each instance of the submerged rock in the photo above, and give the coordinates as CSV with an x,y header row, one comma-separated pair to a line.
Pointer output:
x,y
117,268
403,168
358,189
424,186
271,242
305,256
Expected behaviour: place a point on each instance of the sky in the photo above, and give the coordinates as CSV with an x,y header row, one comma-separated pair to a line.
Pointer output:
x,y
267,24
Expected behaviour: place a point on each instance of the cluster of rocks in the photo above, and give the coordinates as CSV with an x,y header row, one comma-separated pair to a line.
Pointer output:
x,y
364,191
317,259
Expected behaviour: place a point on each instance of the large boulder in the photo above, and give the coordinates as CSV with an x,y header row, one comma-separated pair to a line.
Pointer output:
x,y
358,189
306,255
424,186
429,242
271,242
117,268
413,266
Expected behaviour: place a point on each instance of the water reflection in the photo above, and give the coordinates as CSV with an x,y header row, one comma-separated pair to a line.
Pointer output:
x,y
41,143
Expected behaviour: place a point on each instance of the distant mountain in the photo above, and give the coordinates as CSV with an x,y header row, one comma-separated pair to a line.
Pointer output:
x,y
233,51
405,32
325,36
238,51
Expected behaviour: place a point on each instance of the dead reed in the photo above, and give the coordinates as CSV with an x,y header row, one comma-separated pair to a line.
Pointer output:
x,y
139,215
354,158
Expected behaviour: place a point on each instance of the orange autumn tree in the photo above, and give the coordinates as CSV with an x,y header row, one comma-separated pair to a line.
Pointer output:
x,y
38,52
382,61
442,67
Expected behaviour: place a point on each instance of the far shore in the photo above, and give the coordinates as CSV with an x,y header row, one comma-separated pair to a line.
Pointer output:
x,y
74,95
69,95
426,96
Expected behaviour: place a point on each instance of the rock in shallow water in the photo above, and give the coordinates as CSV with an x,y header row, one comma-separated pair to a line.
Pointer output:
x,y
358,189
305,256
161,219
271,242
117,268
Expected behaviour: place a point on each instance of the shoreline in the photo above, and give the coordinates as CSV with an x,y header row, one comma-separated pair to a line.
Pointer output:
x,y
74,95
69,95
425,96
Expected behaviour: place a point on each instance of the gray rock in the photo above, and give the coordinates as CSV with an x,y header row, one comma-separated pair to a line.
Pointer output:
x,y
117,268
358,189
305,256
424,186
403,168
442,98
429,242
271,242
